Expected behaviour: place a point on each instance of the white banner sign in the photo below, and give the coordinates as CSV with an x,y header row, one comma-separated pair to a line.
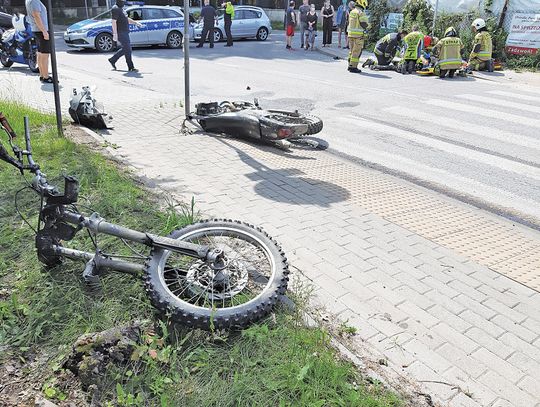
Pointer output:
x,y
524,35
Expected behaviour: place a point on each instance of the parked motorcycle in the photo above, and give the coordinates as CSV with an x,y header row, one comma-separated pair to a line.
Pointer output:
x,y
19,45
248,120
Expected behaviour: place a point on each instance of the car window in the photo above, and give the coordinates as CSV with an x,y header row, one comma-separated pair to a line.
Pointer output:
x,y
170,14
239,14
103,16
250,14
135,14
153,13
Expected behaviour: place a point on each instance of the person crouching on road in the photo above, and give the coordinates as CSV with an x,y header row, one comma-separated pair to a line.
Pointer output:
x,y
120,28
385,51
227,21
290,20
311,31
448,50
357,31
209,15
414,42
480,58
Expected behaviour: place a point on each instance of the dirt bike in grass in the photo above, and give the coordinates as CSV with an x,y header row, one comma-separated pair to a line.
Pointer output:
x,y
215,274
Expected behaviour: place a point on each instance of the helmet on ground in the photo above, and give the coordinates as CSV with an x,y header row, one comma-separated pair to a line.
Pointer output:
x,y
362,3
478,23
450,32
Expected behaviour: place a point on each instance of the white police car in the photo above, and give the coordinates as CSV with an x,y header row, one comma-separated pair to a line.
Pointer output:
x,y
160,25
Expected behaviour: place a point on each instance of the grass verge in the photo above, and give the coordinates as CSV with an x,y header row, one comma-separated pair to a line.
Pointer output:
x,y
278,362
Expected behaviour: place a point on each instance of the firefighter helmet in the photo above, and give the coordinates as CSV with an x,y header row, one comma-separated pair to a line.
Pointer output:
x,y
362,3
478,23
450,32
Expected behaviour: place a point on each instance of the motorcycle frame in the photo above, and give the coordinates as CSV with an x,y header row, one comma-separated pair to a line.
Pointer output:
x,y
57,221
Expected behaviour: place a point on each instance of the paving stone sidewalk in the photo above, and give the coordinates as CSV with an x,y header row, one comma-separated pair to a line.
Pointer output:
x,y
418,275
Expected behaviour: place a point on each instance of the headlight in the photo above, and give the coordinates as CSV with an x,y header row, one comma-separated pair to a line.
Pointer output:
x,y
77,31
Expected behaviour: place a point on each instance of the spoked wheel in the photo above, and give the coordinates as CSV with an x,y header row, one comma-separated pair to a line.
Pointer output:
x,y
313,123
232,292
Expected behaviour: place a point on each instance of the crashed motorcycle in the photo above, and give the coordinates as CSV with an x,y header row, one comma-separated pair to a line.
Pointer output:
x,y
281,128
19,45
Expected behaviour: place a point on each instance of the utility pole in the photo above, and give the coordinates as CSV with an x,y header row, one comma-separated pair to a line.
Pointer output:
x,y
435,16
56,89
186,58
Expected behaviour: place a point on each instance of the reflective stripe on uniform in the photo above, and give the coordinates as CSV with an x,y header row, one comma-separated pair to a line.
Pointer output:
x,y
451,61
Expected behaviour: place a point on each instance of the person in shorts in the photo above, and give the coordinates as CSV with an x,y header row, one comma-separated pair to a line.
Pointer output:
x,y
290,19
37,18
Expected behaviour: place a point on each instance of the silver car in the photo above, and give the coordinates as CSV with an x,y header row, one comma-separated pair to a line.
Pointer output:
x,y
159,25
248,22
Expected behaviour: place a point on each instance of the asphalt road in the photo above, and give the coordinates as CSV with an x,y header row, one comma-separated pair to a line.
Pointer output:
x,y
473,139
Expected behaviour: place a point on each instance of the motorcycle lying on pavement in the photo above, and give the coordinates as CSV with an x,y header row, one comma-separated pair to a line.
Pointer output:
x,y
215,274
19,45
281,128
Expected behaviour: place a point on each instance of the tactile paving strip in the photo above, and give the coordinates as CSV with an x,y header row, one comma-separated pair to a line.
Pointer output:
x,y
499,246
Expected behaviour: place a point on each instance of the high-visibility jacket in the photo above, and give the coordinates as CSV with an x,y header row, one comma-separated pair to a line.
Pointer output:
x,y
387,45
357,19
413,45
482,46
229,9
449,49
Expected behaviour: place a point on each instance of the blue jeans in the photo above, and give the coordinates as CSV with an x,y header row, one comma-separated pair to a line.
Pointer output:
x,y
123,39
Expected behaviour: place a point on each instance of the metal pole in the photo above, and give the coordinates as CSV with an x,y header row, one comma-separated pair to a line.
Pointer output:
x,y
435,16
54,70
186,58
86,7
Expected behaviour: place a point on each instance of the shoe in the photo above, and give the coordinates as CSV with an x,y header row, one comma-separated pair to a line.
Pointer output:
x,y
354,70
307,47
199,46
46,80
211,46
133,70
112,64
228,45
288,47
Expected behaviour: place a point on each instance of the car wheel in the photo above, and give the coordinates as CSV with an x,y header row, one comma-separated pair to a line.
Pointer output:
x,y
218,36
262,34
104,42
174,39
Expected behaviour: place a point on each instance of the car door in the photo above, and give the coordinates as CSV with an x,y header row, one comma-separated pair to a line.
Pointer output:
x,y
237,27
157,25
137,35
250,23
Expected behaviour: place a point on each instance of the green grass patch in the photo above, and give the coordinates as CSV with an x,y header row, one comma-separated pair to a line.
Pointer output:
x,y
278,25
279,362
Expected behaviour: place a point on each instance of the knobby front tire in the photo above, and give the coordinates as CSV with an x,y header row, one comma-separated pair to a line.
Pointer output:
x,y
184,287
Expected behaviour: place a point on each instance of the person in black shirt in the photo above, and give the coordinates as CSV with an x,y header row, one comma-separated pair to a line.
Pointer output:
x,y
311,31
208,14
120,28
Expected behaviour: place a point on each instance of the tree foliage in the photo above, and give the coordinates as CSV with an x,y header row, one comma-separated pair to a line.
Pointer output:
x,y
418,12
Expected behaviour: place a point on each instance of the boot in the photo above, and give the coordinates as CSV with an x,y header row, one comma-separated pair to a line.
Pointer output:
x,y
489,65
354,70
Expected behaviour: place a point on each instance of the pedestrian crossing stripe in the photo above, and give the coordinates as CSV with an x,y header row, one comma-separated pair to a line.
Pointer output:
x,y
515,95
502,103
461,126
480,111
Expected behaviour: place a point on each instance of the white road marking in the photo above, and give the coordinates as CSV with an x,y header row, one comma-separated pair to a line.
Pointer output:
x,y
480,111
515,95
484,158
461,126
502,103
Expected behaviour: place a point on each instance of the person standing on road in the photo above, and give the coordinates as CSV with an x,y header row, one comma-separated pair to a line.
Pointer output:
x,y
342,19
303,11
290,20
358,25
328,22
37,18
311,32
120,29
209,16
227,21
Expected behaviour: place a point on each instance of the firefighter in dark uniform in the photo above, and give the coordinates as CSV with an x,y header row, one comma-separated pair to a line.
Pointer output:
x,y
384,51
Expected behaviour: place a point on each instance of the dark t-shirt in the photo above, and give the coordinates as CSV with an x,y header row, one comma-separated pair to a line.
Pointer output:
x,y
120,15
208,14
288,17
312,18
303,10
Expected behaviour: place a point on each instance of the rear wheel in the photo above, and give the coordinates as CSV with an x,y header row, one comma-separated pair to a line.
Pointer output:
x,y
313,123
218,35
174,39
262,34
104,42
239,289
4,60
